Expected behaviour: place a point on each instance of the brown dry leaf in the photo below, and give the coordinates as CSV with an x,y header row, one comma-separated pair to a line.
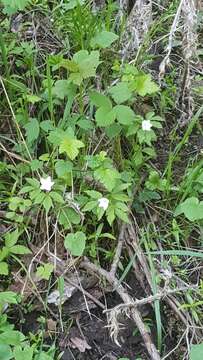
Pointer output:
x,y
51,325
80,344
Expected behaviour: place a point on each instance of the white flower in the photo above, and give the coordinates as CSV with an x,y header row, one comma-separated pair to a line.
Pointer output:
x,y
46,184
103,203
146,125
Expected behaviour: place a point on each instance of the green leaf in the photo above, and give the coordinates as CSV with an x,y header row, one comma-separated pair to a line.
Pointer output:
x,y
120,92
68,216
12,6
47,203
110,213
100,100
124,114
113,130
19,250
8,297
23,354
3,270
122,215
103,39
105,117
192,209
94,194
57,197
108,177
32,130
63,168
143,85
75,243
196,352
11,238
45,271
33,99
90,205
5,352
71,147
11,337
62,89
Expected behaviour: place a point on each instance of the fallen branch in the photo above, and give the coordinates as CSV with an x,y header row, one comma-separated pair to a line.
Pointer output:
x,y
135,314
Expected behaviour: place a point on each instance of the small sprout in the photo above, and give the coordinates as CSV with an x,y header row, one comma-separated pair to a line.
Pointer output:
x,y
46,184
146,125
103,203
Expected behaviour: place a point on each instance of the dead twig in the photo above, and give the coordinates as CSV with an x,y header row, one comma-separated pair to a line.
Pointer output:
x,y
135,314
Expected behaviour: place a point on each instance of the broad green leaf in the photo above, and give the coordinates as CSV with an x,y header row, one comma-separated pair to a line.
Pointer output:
x,y
23,354
144,85
5,352
100,100
56,197
3,270
8,297
103,39
11,238
120,92
110,213
12,6
122,215
19,250
90,205
63,88
33,99
47,203
32,130
192,209
124,114
108,177
196,352
67,217
113,130
71,147
45,271
94,194
75,243
105,117
63,167
11,337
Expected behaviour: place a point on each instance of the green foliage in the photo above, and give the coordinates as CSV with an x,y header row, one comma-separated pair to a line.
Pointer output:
x,y
103,39
192,208
75,243
45,271
196,352
12,6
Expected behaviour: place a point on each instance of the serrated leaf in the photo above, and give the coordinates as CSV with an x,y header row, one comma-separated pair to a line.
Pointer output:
x,y
100,100
90,205
11,238
75,243
12,6
45,271
63,168
23,354
63,88
19,250
192,209
122,215
103,39
11,337
5,352
8,297
105,117
47,203
108,177
120,92
70,146
56,197
3,270
32,130
124,114
144,85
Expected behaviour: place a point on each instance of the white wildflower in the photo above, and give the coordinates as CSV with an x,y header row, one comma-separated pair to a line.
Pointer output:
x,y
46,184
146,125
103,203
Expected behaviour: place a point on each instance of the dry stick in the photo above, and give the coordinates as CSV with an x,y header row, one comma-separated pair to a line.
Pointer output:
x,y
172,302
151,348
118,250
